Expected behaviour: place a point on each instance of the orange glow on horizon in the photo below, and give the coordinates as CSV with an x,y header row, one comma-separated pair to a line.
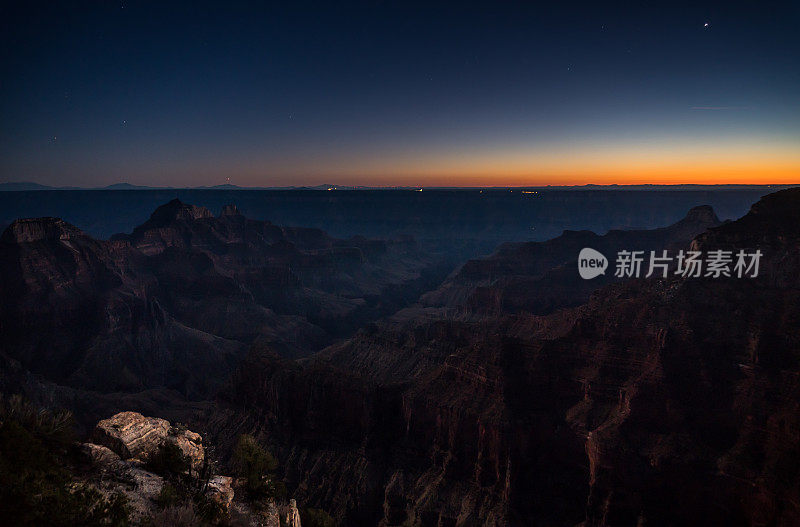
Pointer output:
x,y
718,176
654,161
659,163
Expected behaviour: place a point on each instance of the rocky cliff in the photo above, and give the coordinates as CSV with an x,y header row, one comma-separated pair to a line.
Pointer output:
x,y
176,303
127,458
540,277
660,401
507,397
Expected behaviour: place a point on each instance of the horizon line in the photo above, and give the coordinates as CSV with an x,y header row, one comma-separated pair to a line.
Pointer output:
x,y
30,186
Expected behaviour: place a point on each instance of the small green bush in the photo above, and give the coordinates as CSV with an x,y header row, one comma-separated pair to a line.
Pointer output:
x,y
209,510
256,465
35,485
169,460
54,427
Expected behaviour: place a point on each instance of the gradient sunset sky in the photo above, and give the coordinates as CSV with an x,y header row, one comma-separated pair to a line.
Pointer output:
x,y
194,93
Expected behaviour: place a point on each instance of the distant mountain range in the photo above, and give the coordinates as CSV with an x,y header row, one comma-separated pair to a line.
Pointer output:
x,y
30,185
18,186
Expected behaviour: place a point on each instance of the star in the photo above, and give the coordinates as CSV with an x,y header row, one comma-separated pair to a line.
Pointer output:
x,y
705,25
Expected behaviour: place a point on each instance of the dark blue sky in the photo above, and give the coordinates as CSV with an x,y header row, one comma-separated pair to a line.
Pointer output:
x,y
195,93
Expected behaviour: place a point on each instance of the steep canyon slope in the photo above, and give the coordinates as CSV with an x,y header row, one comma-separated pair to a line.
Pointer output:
x,y
513,393
659,401
177,302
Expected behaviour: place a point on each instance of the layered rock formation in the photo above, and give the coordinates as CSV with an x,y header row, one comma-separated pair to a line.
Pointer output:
x,y
220,489
445,216
125,443
33,230
131,434
660,401
176,303
122,453
134,436
514,394
85,312
540,277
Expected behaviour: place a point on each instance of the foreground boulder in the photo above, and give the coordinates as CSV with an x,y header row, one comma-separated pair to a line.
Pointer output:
x,y
190,443
220,490
98,456
134,436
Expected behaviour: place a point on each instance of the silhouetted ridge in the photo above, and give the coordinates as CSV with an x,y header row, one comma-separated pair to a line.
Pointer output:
x,y
174,303
37,229
779,212
774,216
773,227
542,276
704,213
176,210
171,224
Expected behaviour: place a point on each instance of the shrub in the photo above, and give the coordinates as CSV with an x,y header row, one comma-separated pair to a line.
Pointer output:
x,y
167,497
175,516
209,510
316,518
55,427
256,465
169,460
35,487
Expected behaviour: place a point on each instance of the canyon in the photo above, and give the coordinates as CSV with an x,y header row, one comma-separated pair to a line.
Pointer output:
x,y
399,387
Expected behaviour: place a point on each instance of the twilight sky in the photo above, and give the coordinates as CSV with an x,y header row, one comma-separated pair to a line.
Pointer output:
x,y
198,92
